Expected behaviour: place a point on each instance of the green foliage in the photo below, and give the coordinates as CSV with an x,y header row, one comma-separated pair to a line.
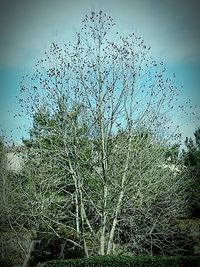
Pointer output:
x,y
48,182
123,261
51,184
1,149
192,155
172,153
191,158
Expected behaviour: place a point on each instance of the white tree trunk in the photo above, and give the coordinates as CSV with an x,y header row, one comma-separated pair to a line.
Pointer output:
x,y
77,215
103,226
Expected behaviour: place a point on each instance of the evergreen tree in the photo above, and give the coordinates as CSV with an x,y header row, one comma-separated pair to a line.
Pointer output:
x,y
191,158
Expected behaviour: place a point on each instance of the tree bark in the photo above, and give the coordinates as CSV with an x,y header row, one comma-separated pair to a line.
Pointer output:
x,y
103,226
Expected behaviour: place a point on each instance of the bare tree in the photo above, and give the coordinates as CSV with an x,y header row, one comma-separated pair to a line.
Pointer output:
x,y
103,107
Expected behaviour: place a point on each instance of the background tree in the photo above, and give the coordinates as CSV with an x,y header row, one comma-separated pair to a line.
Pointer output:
x,y
191,158
100,127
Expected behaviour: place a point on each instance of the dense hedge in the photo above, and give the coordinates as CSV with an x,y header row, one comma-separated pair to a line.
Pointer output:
x,y
6,263
125,261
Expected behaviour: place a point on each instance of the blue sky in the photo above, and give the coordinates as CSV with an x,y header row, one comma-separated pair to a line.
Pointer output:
x,y
27,28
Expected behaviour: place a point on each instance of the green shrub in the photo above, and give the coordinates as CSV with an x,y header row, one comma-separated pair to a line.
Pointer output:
x,y
6,263
125,261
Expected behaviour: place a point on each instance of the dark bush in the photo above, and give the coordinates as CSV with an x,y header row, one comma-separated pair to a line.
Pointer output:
x,y
6,263
52,249
125,261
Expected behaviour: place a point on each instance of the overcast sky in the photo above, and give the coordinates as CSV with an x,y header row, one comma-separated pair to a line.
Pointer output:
x,y
27,28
